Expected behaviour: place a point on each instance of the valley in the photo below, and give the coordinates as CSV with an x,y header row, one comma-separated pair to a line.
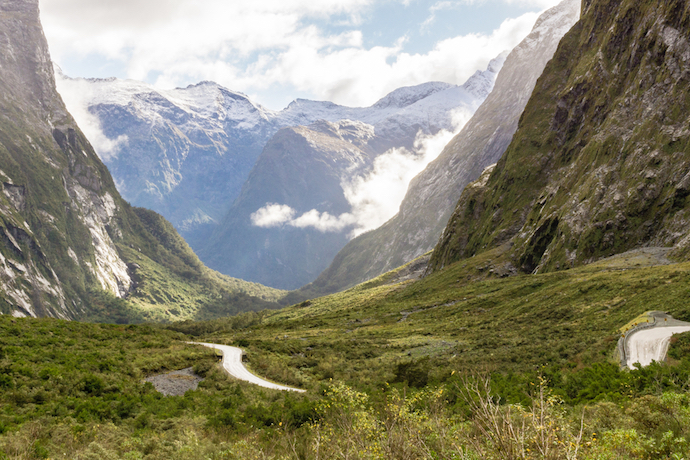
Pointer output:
x,y
520,333
413,348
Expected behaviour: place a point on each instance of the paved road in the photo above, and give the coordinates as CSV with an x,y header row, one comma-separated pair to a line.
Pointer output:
x,y
232,363
647,345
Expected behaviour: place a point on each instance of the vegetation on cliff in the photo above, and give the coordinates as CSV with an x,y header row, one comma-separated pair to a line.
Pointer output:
x,y
600,161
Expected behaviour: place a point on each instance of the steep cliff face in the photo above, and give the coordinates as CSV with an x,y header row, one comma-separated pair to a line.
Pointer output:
x,y
51,182
66,236
432,195
184,153
601,162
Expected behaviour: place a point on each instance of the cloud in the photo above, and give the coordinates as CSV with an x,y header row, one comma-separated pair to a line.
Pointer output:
x,y
435,8
323,222
375,197
373,72
256,47
272,215
523,3
76,94
279,215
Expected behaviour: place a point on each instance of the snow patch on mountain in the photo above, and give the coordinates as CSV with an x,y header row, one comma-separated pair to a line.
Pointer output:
x,y
375,195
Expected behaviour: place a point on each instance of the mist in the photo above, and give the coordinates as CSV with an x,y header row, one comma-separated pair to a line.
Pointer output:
x,y
374,197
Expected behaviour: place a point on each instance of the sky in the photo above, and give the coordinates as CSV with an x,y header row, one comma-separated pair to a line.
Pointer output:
x,y
352,52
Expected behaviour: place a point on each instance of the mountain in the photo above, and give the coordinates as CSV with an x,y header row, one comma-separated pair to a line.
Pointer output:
x,y
70,247
186,153
432,195
304,171
600,163
183,153
300,167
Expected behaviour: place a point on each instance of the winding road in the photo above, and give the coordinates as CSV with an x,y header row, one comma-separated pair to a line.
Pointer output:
x,y
647,345
232,363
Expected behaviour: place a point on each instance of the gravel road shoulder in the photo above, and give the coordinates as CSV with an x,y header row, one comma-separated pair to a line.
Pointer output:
x,y
175,383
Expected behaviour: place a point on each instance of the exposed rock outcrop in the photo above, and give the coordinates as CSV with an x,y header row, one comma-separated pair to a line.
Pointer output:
x,y
64,228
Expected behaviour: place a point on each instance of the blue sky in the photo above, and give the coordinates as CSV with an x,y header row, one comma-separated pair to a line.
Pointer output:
x,y
349,51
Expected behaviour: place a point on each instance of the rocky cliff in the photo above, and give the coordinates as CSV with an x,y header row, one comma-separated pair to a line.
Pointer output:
x,y
67,239
432,195
601,160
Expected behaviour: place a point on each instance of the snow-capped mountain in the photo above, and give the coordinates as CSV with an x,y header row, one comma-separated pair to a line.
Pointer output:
x,y
299,170
303,169
187,152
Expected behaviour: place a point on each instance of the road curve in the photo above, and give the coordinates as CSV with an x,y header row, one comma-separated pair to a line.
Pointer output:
x,y
647,345
232,363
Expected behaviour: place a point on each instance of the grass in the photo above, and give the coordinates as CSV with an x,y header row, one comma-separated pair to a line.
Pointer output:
x,y
571,187
643,318
462,318
388,357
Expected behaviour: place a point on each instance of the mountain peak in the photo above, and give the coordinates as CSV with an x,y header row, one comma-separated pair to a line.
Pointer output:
x,y
408,95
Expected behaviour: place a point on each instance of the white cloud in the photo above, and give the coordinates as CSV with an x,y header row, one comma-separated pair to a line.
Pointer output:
x,y
278,215
76,94
538,3
272,215
524,3
373,72
256,46
323,222
435,8
376,196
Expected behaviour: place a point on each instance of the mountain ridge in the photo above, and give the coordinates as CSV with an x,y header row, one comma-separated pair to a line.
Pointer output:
x,y
186,153
319,162
70,247
433,193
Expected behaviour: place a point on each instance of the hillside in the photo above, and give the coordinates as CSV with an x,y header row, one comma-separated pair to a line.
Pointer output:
x,y
300,167
379,362
70,246
600,161
309,172
432,194
477,360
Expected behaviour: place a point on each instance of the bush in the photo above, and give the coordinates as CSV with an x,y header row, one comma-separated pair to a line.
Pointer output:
x,y
413,373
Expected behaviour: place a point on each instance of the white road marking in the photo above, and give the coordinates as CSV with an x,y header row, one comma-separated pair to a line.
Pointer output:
x,y
232,363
